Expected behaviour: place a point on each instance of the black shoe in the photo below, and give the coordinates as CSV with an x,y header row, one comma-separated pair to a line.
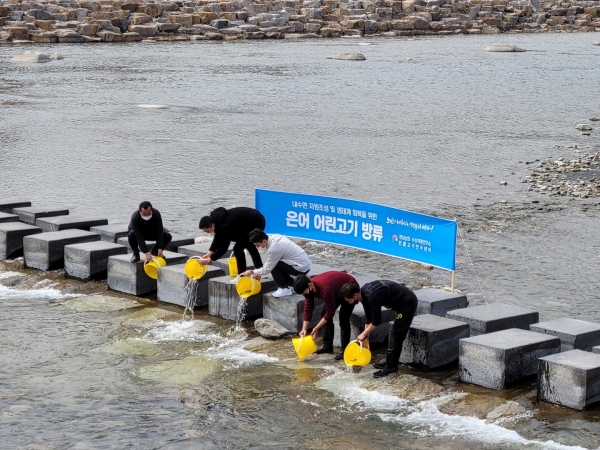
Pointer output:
x,y
385,371
325,349
339,356
380,364
391,364
135,258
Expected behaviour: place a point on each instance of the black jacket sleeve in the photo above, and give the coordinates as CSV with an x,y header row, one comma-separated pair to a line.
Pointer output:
x,y
160,240
220,243
136,226
372,303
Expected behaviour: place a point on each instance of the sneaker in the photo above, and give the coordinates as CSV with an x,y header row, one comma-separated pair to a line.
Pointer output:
x,y
283,292
135,257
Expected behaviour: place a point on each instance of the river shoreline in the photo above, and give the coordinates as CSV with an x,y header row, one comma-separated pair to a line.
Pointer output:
x,y
67,21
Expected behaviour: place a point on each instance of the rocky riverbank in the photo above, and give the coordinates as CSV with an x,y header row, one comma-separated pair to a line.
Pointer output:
x,y
69,21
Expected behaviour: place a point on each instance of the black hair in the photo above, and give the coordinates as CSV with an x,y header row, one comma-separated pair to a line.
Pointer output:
x,y
257,235
206,222
144,205
348,290
301,284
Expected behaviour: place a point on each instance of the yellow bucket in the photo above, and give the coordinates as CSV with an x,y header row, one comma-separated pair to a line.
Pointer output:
x,y
232,262
356,355
304,346
151,267
193,269
247,286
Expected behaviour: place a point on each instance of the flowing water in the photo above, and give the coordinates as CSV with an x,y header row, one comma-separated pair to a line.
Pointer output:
x,y
430,124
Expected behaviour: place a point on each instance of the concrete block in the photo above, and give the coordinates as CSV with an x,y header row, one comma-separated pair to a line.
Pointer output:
x,y
494,317
172,281
439,302
201,249
288,311
173,246
112,232
7,204
357,324
130,278
60,223
11,238
497,360
29,214
46,251
432,341
223,299
89,261
573,333
124,241
570,379
5,217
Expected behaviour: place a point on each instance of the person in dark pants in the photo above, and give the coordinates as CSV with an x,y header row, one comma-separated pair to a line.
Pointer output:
x,y
284,259
326,287
390,294
146,224
229,225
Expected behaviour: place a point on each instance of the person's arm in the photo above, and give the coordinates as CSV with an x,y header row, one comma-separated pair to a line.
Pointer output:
x,y
372,306
274,255
309,307
160,240
219,247
328,297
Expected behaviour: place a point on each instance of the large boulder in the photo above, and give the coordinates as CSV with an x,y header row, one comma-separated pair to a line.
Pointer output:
x,y
503,48
144,30
32,57
349,57
270,329
47,37
40,14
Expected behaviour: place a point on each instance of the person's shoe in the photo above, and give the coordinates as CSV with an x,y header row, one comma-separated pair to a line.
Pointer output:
x,y
380,364
135,257
325,349
283,292
339,356
390,365
385,371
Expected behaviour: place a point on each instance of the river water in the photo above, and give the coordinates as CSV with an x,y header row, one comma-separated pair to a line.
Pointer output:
x,y
432,125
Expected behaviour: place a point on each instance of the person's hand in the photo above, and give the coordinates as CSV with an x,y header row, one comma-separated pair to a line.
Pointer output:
x,y
206,255
361,337
302,333
256,277
160,253
366,344
315,332
204,261
148,256
247,273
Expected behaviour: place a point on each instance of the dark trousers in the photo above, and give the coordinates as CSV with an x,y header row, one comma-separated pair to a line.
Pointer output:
x,y
133,242
238,252
281,274
345,314
404,317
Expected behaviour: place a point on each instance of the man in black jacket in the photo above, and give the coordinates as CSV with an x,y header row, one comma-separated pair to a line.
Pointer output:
x,y
235,225
390,294
146,224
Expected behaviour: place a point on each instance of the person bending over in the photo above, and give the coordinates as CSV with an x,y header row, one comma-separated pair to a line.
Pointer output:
x,y
284,258
229,225
146,225
326,287
374,296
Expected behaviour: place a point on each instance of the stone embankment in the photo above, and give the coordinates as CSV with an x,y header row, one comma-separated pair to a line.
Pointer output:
x,y
69,21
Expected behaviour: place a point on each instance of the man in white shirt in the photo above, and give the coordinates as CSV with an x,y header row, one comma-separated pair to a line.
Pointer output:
x,y
284,258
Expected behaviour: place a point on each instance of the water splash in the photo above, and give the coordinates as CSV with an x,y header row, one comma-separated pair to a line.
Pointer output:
x,y
50,293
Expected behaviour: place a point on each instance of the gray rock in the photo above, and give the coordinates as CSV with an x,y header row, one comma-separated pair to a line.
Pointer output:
x,y
503,48
31,57
574,334
349,57
270,329
583,127
596,43
56,56
89,261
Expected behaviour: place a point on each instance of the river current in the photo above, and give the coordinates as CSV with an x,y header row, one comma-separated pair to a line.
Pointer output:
x,y
434,125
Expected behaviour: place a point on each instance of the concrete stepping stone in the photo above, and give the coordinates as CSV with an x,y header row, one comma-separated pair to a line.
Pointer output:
x,y
7,204
439,302
223,299
11,238
29,214
202,248
5,217
494,317
60,223
111,232
570,379
125,241
432,341
89,261
288,311
497,360
130,278
46,251
173,246
172,282
573,333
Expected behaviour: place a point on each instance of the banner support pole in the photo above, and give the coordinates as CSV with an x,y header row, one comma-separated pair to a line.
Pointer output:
x,y
452,282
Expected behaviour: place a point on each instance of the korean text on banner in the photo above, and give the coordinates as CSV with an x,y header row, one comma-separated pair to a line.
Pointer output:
x,y
390,231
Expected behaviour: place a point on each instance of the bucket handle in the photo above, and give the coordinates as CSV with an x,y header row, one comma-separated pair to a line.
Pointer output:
x,y
195,257
299,344
153,259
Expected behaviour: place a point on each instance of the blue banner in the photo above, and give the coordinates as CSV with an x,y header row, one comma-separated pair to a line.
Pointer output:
x,y
390,231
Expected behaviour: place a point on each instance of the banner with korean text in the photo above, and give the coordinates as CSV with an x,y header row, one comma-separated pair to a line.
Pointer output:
x,y
390,231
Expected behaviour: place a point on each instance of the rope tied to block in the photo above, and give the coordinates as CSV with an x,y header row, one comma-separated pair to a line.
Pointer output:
x,y
471,261
191,294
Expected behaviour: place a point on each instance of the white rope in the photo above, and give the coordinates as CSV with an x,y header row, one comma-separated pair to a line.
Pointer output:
x,y
471,261
191,294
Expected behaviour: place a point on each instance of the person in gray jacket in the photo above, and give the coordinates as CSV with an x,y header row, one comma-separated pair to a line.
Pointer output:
x,y
284,259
